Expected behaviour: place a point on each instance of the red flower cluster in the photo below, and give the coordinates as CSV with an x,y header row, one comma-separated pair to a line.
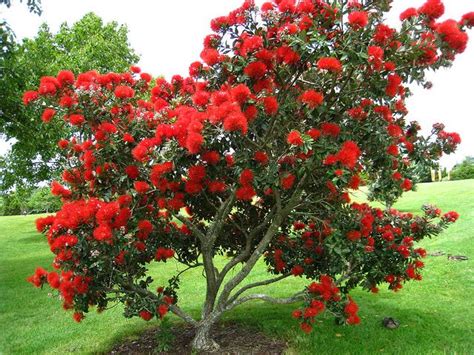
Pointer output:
x,y
330,64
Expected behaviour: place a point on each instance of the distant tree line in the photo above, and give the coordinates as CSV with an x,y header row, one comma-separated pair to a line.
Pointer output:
x,y
29,201
465,170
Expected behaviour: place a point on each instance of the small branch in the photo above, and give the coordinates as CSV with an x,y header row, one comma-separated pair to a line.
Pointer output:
x,y
190,225
219,220
256,284
181,314
259,296
173,308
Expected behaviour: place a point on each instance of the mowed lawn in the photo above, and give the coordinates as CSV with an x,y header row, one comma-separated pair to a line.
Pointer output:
x,y
436,315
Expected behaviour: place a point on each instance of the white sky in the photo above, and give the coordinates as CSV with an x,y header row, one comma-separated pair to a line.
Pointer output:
x,y
168,36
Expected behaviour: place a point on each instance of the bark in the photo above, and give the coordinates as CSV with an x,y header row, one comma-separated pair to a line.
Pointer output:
x,y
202,339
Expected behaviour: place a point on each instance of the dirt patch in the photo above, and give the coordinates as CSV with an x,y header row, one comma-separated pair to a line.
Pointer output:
x,y
233,339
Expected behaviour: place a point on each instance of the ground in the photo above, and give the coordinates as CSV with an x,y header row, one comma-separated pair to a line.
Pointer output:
x,y
436,315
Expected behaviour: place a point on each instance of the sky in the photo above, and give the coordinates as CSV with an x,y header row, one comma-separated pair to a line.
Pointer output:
x,y
168,37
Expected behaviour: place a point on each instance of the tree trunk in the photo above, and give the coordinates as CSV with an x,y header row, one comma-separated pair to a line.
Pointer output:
x,y
202,339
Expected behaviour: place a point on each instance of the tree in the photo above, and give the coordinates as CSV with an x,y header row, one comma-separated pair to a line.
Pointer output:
x,y
465,170
86,45
42,201
15,202
252,156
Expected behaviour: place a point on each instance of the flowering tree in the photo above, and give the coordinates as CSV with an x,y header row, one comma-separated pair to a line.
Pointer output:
x,y
254,156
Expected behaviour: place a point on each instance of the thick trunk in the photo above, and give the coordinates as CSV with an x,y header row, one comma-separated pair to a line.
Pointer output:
x,y
202,339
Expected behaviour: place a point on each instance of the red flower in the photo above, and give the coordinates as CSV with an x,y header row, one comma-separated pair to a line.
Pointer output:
x,y
406,185
408,13
330,129
451,216
76,119
194,142
432,9
78,316
201,98
144,228
210,56
351,307
312,98
65,77
261,157
162,310
348,154
452,35
132,171
39,277
240,93
141,187
393,150
59,190
211,157
287,55
236,122
245,193
383,34
358,19
306,327
288,181
314,133
103,233
135,69
48,114
246,177
53,280
467,20
297,270
145,315
330,64
294,138
249,44
216,187
197,172
29,96
270,105
393,84
124,92
255,70
193,187
353,235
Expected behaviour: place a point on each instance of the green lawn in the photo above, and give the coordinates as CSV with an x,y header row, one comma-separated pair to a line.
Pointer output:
x,y
436,315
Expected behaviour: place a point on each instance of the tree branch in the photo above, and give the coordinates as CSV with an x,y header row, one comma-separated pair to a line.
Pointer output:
x,y
246,252
190,225
297,297
173,308
256,284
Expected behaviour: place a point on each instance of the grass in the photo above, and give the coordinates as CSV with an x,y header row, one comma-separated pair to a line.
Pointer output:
x,y
436,314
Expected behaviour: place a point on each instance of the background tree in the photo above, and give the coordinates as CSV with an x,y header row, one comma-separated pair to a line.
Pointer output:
x,y
87,45
465,170
41,200
34,6
252,156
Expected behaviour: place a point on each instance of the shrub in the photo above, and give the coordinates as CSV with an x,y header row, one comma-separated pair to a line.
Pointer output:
x,y
251,156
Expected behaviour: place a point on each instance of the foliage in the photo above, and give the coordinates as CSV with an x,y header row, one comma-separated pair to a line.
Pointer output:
x,y
465,170
252,156
86,45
